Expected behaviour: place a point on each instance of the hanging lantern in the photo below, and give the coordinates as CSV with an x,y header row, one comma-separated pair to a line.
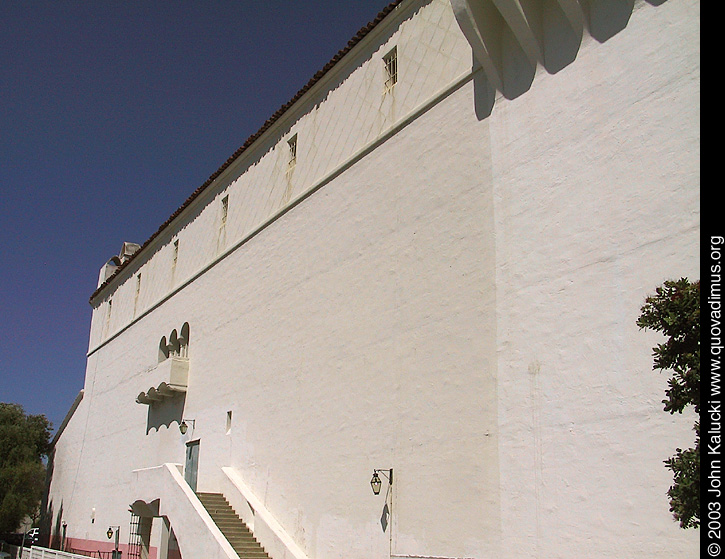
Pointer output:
x,y
375,483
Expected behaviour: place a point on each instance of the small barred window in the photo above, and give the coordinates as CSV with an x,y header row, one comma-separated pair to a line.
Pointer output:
x,y
391,69
225,210
292,145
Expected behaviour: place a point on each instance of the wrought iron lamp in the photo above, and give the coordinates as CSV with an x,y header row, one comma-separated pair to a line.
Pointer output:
x,y
376,483
183,427
115,554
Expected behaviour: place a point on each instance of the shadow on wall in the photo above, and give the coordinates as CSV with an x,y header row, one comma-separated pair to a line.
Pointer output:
x,y
51,533
508,45
56,540
46,509
606,18
165,413
484,94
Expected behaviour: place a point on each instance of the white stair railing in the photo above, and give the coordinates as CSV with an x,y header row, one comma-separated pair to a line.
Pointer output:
x,y
268,531
200,536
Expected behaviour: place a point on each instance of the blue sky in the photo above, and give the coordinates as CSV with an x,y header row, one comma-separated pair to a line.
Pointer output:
x,y
111,114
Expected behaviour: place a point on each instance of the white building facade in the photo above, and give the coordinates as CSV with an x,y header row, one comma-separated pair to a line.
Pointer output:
x,y
431,261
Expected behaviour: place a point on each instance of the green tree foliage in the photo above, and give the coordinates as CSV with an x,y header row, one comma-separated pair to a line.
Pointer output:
x,y
24,441
674,311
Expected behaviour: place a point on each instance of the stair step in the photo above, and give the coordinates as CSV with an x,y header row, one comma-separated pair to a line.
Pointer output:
x,y
242,549
223,517
234,529
212,499
236,538
246,540
215,505
221,506
241,536
231,525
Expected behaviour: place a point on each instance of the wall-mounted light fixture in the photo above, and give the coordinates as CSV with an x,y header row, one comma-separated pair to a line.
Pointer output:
x,y
376,483
184,426
115,554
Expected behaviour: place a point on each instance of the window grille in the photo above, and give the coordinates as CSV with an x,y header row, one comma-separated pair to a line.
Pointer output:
x,y
225,209
391,69
222,232
174,261
134,538
292,144
138,292
108,315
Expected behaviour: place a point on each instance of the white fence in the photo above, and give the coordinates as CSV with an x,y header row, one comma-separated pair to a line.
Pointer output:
x,y
43,553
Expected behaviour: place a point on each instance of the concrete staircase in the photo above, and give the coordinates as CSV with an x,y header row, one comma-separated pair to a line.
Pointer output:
x,y
234,530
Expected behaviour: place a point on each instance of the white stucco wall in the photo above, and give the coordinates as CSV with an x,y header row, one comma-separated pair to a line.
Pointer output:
x,y
605,208
341,115
456,301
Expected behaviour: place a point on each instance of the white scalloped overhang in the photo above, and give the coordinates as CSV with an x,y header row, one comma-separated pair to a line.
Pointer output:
x,y
169,378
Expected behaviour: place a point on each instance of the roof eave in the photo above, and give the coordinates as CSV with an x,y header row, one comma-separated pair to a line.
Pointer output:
x,y
352,43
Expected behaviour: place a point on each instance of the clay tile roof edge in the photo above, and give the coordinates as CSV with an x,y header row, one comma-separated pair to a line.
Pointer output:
x,y
359,36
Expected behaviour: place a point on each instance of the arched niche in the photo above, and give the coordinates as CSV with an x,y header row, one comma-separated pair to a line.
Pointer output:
x,y
184,340
163,349
173,345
